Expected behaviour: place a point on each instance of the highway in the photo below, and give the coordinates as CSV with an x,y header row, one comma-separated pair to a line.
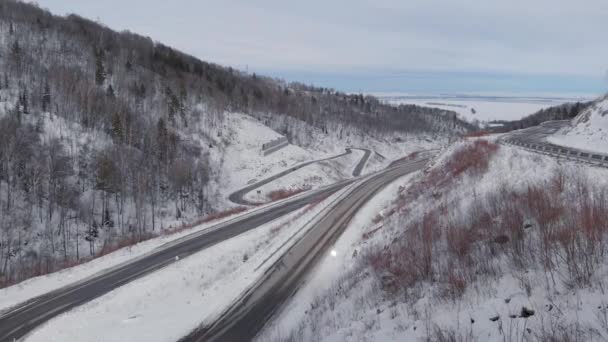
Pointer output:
x,y
18,321
249,313
535,139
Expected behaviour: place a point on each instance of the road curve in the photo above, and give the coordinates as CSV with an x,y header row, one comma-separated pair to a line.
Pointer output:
x,y
534,139
238,197
244,319
21,319
361,164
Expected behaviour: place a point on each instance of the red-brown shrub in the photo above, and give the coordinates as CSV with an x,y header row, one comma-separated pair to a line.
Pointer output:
x,y
285,193
558,227
476,134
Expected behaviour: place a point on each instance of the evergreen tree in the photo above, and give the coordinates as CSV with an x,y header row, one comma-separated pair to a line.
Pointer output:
x,y
117,129
100,71
163,139
172,105
183,98
46,97
110,92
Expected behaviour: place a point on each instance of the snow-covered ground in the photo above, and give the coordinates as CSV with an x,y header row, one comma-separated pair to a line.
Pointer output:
x,y
482,108
311,176
345,301
335,265
28,289
589,129
169,303
243,163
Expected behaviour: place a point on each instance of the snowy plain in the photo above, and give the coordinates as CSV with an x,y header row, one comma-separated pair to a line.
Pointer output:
x,y
483,108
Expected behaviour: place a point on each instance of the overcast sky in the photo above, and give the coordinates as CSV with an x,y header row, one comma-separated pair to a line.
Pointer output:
x,y
382,45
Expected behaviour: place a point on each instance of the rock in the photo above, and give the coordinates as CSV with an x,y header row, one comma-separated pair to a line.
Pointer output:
x,y
525,312
494,319
472,321
507,300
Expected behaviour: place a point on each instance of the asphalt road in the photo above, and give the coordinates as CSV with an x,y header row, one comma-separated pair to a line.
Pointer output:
x,y
20,320
361,164
538,134
245,318
238,197
535,139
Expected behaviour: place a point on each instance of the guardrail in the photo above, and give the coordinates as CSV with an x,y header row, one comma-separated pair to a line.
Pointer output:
x,y
274,145
594,158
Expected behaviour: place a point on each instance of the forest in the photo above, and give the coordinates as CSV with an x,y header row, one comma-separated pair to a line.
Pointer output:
x,y
106,137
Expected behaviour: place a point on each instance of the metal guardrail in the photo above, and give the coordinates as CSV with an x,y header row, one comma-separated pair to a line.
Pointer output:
x,y
274,145
594,158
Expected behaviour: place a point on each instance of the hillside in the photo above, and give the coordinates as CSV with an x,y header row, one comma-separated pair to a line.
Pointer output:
x,y
489,243
108,138
564,111
589,129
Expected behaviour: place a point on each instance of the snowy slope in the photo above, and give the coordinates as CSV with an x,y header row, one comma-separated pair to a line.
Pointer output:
x,y
589,129
345,301
169,303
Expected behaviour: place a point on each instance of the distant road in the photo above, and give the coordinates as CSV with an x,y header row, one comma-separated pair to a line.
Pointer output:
x,y
244,319
238,197
361,164
535,139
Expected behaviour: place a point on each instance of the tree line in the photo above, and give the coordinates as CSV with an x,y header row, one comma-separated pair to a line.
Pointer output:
x,y
107,136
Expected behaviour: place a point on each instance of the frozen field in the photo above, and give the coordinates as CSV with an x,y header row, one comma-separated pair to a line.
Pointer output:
x,y
482,108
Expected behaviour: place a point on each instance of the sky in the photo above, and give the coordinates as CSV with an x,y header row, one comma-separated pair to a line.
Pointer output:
x,y
413,46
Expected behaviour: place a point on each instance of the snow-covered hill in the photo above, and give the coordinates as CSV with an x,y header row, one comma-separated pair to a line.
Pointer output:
x,y
589,130
109,138
490,243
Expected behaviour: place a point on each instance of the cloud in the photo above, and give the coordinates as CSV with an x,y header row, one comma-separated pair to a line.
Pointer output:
x,y
518,36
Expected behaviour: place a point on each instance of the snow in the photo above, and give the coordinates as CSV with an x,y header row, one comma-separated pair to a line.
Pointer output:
x,y
33,287
169,303
311,176
487,108
341,260
342,302
589,130
243,162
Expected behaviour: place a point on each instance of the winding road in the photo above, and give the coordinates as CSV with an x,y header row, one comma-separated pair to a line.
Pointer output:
x,y
245,318
18,321
535,139
238,197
